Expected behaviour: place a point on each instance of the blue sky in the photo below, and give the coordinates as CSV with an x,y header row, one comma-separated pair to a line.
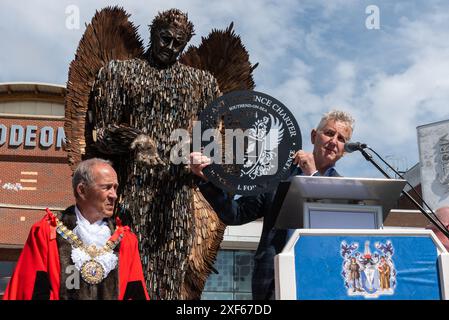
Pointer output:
x,y
313,56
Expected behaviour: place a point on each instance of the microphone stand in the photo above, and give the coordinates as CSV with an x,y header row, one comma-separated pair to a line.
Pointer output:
x,y
369,158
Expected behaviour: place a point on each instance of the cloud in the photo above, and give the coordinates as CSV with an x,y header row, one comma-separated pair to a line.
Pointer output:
x,y
38,36
391,86
401,101
313,56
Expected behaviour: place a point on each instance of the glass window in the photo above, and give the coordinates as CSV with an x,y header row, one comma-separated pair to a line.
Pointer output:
x,y
6,270
243,270
233,281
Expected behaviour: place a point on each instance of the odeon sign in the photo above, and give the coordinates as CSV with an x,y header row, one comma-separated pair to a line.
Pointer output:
x,y
31,136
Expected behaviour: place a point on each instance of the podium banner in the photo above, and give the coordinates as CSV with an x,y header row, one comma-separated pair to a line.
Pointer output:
x,y
380,267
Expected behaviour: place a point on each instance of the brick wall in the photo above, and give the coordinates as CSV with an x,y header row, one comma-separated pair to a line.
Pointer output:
x,y
33,175
35,184
15,225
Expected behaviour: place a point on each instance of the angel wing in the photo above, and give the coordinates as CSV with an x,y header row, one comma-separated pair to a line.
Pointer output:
x,y
209,232
274,136
223,54
225,57
109,36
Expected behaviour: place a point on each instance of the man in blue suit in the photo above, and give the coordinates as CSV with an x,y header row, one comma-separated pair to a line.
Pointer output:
x,y
328,138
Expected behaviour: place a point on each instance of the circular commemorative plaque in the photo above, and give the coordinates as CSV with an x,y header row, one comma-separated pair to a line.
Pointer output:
x,y
251,139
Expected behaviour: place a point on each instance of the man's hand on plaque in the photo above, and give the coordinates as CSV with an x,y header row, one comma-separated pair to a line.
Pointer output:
x,y
197,163
305,161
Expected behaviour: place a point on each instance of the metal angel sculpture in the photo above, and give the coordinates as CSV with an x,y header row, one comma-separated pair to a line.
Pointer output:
x,y
122,104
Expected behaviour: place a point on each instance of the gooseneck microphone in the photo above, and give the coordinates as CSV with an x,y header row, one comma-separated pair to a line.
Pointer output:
x,y
431,216
354,146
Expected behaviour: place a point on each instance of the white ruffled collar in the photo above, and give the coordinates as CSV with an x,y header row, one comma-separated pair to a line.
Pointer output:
x,y
96,233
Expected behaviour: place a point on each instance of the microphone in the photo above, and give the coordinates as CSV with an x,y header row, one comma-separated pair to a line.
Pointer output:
x,y
354,146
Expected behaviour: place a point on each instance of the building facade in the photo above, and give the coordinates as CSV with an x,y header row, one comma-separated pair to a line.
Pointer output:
x,y
34,175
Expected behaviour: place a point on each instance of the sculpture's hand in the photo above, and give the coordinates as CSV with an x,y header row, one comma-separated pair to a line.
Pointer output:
x,y
114,139
146,151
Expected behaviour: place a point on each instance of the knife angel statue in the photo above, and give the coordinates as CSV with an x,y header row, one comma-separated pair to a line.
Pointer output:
x,y
123,102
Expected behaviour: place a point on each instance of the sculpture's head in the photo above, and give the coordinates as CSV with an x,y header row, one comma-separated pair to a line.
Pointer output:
x,y
170,32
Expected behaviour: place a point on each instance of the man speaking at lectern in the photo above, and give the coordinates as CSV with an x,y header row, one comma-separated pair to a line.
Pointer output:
x,y
328,138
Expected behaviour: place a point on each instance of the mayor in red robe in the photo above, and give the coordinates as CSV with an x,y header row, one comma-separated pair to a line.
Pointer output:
x,y
43,270
79,254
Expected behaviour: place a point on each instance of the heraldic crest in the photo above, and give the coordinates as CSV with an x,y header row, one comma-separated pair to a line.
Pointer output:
x,y
368,274
264,139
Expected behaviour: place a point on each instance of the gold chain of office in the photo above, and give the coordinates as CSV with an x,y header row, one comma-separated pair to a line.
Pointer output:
x,y
91,271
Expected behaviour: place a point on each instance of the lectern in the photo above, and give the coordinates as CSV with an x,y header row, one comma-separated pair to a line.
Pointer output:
x,y
335,202
338,249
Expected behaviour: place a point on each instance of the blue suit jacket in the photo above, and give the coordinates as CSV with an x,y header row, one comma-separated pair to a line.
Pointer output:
x,y
272,241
